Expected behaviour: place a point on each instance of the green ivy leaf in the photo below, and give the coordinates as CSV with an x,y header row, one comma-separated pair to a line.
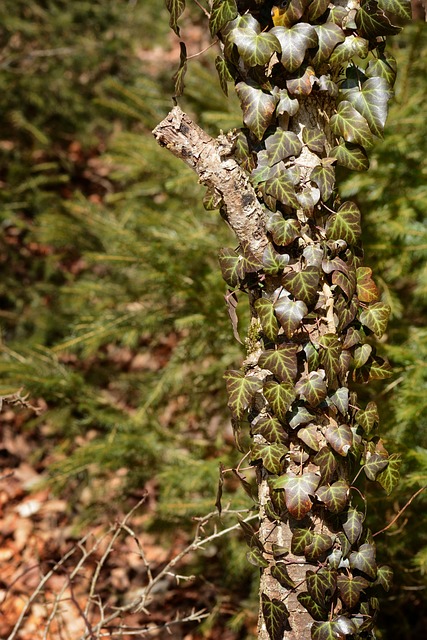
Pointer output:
x,y
317,611
294,43
302,82
280,185
376,368
364,559
320,543
327,462
375,317
368,418
270,454
316,9
324,177
241,392
255,48
353,524
335,497
175,8
329,354
312,388
290,313
329,35
303,284
280,573
273,262
366,287
285,103
351,156
269,428
351,125
281,145
384,577
344,224
371,101
298,416
315,139
301,538
353,46
279,396
310,436
389,477
340,399
224,74
282,362
350,588
374,464
222,12
326,631
265,311
401,8
321,585
179,76
340,438
258,108
372,22
254,556
232,266
275,614
297,490
361,355
383,67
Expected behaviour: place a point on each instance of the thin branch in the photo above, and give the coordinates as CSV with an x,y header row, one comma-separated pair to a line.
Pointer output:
x,y
417,493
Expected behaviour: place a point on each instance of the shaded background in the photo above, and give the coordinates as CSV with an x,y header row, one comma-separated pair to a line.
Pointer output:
x,y
113,318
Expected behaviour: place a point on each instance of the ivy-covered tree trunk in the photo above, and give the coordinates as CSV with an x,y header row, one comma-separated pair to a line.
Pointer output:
x,y
314,80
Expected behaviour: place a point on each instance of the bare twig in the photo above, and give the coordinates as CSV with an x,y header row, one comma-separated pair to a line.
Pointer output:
x,y
390,524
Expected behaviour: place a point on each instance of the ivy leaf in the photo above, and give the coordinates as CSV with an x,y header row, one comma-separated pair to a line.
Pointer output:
x,y
321,585
265,311
301,538
310,436
290,14
179,76
223,69
294,43
281,145
297,490
351,47
383,67
326,631
372,22
324,177
320,543
368,418
326,84
255,48
316,9
389,477
329,35
254,556
351,156
280,573
351,125
270,454
241,392
376,368
401,8
350,588
275,614
340,438
280,185
371,101
269,428
340,399
344,224
303,284
279,396
299,415
315,139
222,12
290,313
175,8
312,388
374,464
302,82
361,355
353,524
327,462
232,266
257,106
282,362
317,611
329,354
364,559
335,497
375,317
384,576
344,283
366,287
285,103
273,262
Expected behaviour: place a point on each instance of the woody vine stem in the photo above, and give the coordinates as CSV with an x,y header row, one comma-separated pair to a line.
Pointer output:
x,y
314,79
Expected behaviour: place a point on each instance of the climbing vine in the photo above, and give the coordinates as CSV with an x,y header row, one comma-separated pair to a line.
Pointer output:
x,y
314,80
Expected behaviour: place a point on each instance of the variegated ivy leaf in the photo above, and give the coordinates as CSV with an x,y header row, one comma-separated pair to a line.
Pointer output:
x,y
298,490
269,428
301,538
368,418
294,43
329,354
255,49
279,396
364,559
375,317
269,323
340,437
285,103
321,585
222,12
384,577
353,524
282,362
275,614
254,556
374,464
241,392
351,125
389,477
335,497
376,368
316,9
175,8
280,573
303,284
324,177
224,74
270,454
315,139
350,588
329,35
312,388
290,313
383,67
366,287
317,611
344,224
351,156
351,47
273,262
302,82
257,106
372,22
281,185
327,462
320,543
361,355
371,101
281,145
